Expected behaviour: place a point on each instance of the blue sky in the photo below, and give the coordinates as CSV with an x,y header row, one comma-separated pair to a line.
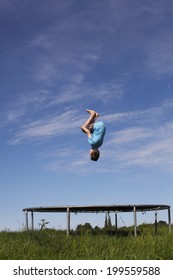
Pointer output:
x,y
59,58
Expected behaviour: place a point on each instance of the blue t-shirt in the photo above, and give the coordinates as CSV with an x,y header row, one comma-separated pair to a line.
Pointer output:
x,y
96,139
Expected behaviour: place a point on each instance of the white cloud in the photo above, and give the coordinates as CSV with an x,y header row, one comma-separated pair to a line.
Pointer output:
x,y
146,153
142,147
25,105
144,116
64,123
75,163
130,135
128,148
157,154
62,54
41,41
14,115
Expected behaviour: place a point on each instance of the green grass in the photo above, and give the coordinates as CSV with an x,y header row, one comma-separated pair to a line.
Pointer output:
x,y
56,245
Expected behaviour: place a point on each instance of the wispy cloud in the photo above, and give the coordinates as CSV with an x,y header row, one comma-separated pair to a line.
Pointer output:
x,y
144,116
25,105
62,51
69,120
61,124
67,60
129,135
150,149
155,151
143,145
135,147
71,161
29,104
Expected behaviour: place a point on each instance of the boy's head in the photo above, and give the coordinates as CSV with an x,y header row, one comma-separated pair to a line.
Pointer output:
x,y
94,154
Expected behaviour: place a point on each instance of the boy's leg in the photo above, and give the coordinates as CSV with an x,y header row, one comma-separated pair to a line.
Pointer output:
x,y
89,121
93,112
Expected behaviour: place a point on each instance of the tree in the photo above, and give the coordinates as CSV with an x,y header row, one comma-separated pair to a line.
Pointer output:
x,y
108,222
86,228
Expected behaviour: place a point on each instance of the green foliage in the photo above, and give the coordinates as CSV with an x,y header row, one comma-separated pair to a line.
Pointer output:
x,y
88,243
84,229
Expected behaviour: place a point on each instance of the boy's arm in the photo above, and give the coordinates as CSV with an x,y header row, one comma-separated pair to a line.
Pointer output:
x,y
86,130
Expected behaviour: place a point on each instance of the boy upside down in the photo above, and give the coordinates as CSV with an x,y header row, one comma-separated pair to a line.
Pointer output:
x,y
95,132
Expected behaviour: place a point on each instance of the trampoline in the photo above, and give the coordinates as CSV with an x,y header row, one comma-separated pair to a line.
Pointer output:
x,y
98,209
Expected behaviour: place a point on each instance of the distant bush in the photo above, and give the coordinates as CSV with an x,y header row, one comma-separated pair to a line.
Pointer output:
x,y
84,229
162,223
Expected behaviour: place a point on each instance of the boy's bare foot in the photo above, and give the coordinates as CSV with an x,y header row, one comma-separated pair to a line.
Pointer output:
x,y
92,112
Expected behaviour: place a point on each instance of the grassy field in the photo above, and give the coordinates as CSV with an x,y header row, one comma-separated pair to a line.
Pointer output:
x,y
56,245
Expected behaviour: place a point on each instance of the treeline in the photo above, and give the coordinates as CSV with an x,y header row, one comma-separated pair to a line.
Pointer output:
x,y
110,229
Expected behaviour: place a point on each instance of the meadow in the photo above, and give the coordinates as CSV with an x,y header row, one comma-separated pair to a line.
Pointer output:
x,y
108,245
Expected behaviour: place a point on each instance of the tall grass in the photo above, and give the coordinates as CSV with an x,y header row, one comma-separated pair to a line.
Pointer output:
x,y
51,244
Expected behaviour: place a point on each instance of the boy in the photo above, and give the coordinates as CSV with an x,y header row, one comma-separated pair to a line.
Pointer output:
x,y
95,132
